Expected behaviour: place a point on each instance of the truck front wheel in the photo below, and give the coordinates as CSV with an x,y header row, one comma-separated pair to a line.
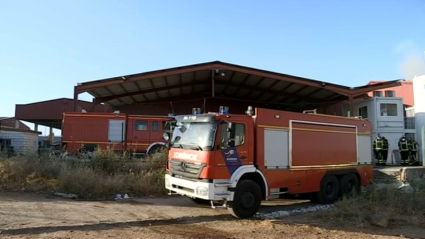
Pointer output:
x,y
246,200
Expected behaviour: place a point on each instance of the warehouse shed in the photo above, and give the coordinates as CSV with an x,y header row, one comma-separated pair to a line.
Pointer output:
x,y
209,85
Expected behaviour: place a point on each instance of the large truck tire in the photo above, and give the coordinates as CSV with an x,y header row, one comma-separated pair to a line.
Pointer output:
x,y
329,189
247,199
349,185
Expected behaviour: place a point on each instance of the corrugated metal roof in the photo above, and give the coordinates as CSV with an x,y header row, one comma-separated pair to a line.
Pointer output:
x,y
219,79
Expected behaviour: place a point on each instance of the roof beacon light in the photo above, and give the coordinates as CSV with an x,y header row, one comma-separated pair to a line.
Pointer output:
x,y
196,111
249,111
224,110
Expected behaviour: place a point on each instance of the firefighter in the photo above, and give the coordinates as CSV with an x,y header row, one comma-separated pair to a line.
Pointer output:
x,y
377,149
385,147
404,150
413,148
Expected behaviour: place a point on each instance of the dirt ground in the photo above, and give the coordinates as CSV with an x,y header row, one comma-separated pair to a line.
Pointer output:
x,y
24,215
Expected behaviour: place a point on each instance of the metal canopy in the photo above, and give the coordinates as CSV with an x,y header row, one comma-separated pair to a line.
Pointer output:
x,y
221,80
49,113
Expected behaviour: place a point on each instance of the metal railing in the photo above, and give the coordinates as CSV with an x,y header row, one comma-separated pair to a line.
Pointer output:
x,y
409,122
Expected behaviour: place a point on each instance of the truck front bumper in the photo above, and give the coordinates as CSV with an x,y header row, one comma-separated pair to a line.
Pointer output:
x,y
217,190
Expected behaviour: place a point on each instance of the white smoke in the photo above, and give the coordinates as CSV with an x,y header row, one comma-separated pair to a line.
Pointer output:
x,y
412,66
414,60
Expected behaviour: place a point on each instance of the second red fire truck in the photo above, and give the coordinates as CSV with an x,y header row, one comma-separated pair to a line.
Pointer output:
x,y
139,134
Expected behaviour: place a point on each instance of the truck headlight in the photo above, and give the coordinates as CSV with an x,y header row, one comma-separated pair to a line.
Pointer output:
x,y
167,183
202,191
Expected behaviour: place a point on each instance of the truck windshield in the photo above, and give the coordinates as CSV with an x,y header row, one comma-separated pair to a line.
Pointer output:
x,y
194,135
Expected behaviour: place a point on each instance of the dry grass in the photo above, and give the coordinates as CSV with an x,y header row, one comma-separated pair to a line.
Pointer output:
x,y
397,205
103,177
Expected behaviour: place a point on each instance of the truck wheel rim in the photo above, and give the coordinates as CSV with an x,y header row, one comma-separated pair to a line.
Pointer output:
x,y
247,199
329,188
349,186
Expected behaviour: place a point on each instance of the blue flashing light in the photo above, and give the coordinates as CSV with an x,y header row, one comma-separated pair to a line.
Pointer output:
x,y
224,110
196,111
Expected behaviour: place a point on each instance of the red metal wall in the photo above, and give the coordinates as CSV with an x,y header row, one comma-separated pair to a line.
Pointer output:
x,y
404,91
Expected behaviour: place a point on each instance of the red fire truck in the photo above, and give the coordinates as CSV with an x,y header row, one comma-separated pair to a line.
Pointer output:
x,y
83,132
243,159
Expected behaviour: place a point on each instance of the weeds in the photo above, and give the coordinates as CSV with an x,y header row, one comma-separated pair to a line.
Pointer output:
x,y
107,174
396,205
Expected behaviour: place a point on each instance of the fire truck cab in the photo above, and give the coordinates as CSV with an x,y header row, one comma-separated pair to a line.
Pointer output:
x,y
242,159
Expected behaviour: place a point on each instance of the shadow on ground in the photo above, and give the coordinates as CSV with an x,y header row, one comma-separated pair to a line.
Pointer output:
x,y
107,226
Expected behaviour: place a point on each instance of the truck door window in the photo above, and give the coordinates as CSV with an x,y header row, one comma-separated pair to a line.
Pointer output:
x,y
224,138
239,134
141,125
233,136
155,126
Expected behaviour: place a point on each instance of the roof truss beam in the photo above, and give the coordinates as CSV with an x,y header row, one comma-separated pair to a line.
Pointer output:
x,y
282,92
108,98
312,93
270,87
243,83
250,88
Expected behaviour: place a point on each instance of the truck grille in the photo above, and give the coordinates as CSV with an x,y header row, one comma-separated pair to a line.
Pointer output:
x,y
186,169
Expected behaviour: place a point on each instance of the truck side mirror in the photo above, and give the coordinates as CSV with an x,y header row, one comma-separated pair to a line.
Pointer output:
x,y
166,136
231,143
229,127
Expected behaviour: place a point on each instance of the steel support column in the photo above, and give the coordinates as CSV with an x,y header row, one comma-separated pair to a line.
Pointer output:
x,y
75,99
212,83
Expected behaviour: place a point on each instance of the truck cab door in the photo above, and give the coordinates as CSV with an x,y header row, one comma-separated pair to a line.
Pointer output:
x,y
233,149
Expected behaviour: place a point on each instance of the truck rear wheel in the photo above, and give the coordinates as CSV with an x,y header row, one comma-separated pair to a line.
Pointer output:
x,y
156,149
349,185
247,199
329,189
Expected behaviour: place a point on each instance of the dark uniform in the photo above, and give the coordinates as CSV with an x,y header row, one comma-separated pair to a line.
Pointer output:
x,y
385,147
413,148
378,150
404,150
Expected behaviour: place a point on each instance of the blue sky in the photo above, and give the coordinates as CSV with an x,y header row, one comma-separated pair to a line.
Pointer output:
x,y
47,47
